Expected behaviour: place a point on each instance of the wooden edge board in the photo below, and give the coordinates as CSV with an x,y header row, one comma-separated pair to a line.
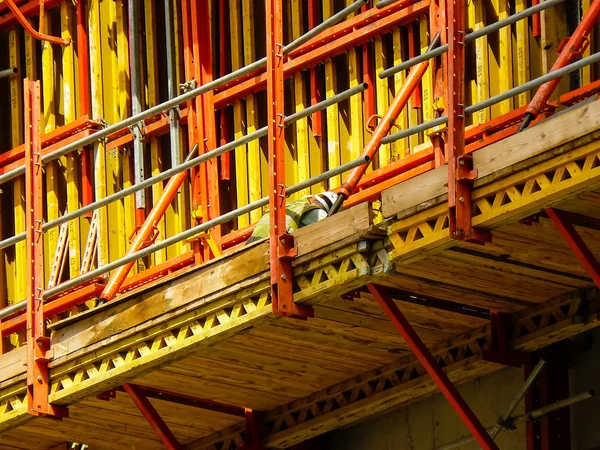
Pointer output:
x,y
549,138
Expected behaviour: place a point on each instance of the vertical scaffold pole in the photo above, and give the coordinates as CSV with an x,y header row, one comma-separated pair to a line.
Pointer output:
x,y
460,165
37,343
282,243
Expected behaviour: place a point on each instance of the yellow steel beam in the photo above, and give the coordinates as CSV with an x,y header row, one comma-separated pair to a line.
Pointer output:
x,y
400,147
522,60
332,112
382,95
239,113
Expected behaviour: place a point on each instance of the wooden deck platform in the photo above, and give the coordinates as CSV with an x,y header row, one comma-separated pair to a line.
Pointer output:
x,y
210,333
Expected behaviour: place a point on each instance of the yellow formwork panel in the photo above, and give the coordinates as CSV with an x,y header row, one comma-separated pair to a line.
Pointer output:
x,y
500,60
151,99
67,12
382,95
400,147
427,81
15,277
482,75
521,59
255,155
98,105
239,112
332,112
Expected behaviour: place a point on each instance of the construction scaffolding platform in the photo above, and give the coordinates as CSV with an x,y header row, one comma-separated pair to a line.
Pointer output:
x,y
142,140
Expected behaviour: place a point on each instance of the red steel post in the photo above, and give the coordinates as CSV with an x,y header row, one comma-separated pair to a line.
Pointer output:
x,y
252,438
282,243
579,247
431,366
37,343
153,418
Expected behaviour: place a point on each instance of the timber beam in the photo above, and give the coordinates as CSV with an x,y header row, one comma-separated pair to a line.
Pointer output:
x,y
150,328
405,380
516,182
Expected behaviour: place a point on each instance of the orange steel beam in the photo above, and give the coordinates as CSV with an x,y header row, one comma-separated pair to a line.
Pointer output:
x,y
432,367
37,343
25,23
579,247
146,234
27,9
339,40
153,418
398,104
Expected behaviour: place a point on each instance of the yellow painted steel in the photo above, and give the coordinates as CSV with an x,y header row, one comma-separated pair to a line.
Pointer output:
x,y
72,160
332,112
427,81
178,216
300,103
355,112
98,104
521,59
16,278
400,147
482,74
256,158
151,99
382,95
239,113
52,169
554,30
501,76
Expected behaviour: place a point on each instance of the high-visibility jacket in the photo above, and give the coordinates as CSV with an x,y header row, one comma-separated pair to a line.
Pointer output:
x,y
293,210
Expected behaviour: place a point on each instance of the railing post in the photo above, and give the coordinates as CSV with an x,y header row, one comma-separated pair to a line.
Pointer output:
x,y
37,343
282,244
460,165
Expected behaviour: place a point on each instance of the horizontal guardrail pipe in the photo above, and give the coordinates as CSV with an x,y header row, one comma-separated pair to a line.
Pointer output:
x,y
176,101
497,98
188,164
469,37
12,309
8,72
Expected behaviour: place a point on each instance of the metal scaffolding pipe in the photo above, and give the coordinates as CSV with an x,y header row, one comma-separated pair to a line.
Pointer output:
x,y
176,101
8,72
497,98
172,84
528,417
469,37
191,232
136,104
187,165
513,405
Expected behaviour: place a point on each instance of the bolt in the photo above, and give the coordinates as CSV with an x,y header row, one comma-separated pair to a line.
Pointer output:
x,y
283,241
461,162
283,277
39,378
462,199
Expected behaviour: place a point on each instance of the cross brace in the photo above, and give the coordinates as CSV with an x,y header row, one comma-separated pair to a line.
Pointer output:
x,y
433,369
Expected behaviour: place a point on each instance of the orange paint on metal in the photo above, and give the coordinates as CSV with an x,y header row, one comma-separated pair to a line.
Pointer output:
x,y
25,23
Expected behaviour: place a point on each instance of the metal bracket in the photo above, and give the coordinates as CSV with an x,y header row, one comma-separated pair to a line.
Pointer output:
x,y
187,86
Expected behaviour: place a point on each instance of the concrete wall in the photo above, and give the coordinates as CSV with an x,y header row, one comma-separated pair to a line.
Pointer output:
x,y
432,422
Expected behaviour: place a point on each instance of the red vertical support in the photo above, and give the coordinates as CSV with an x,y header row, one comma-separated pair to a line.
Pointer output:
x,y
252,435
224,55
37,343
412,52
282,243
460,165
83,61
315,92
369,94
581,250
153,418
433,369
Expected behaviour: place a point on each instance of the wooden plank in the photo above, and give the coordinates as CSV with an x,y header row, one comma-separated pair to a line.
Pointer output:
x,y
547,135
225,275
416,191
351,222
